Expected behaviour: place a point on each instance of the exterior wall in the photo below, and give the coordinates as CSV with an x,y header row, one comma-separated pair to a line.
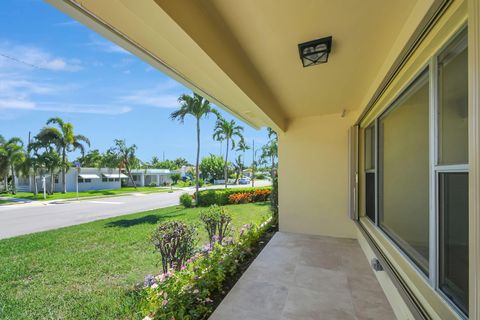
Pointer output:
x,y
315,201
445,29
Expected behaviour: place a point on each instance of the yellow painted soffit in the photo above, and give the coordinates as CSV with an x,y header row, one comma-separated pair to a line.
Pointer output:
x,y
144,29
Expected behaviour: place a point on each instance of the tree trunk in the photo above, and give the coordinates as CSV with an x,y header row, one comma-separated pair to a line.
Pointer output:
x,y
5,182
14,187
35,190
64,164
197,160
52,182
272,171
225,166
130,175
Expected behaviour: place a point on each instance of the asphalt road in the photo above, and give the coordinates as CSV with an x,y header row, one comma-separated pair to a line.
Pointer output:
x,y
25,218
33,217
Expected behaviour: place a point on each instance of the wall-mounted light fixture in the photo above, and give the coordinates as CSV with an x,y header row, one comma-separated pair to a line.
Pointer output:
x,y
315,51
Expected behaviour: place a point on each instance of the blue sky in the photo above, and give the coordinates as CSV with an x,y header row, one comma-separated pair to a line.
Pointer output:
x,y
83,78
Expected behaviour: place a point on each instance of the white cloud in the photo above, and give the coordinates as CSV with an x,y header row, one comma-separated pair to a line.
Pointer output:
x,y
71,23
13,56
164,95
18,104
150,98
106,46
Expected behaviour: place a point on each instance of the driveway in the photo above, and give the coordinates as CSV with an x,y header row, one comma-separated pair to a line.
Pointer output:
x,y
35,216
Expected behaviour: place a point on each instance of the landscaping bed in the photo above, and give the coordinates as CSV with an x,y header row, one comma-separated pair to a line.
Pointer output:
x,y
227,196
91,271
194,287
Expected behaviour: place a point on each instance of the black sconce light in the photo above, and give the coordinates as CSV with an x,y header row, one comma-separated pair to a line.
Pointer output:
x,y
315,51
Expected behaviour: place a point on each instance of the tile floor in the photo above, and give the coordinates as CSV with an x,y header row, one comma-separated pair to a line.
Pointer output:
x,y
300,277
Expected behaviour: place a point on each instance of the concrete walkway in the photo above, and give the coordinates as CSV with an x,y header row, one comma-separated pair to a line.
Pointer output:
x,y
299,277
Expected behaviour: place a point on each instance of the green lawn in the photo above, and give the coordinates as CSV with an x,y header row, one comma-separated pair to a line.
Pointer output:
x,y
91,193
89,271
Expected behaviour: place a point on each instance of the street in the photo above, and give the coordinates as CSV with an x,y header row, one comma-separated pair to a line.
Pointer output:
x,y
19,219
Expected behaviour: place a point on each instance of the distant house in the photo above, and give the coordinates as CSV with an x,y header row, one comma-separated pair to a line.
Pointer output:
x,y
88,179
150,177
96,179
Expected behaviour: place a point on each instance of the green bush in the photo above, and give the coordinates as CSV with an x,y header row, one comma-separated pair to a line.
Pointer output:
x,y
189,293
220,197
216,221
152,184
186,200
175,241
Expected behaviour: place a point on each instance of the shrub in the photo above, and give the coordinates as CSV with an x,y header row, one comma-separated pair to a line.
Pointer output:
x,y
152,184
189,293
240,198
274,200
175,177
175,241
186,200
221,196
260,176
217,223
261,195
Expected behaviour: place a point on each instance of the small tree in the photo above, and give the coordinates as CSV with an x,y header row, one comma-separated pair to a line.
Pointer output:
x,y
175,241
175,177
217,223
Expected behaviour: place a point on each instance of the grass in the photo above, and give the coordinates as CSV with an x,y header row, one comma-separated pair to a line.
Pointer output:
x,y
89,271
82,194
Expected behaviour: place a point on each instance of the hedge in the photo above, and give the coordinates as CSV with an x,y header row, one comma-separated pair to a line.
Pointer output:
x,y
221,196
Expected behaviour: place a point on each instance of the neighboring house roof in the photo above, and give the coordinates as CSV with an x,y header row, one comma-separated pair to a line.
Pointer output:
x,y
151,171
114,175
88,176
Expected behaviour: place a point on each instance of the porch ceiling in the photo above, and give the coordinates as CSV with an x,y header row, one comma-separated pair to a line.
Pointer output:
x,y
243,54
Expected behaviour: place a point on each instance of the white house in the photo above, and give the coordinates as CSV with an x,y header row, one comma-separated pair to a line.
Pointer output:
x,y
96,179
150,177
88,179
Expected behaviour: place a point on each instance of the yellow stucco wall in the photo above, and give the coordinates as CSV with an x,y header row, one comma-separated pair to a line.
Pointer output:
x,y
313,176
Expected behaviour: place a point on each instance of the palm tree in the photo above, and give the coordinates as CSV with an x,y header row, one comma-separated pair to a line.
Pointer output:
x,y
199,108
65,140
13,155
239,164
126,157
3,162
270,150
33,162
227,131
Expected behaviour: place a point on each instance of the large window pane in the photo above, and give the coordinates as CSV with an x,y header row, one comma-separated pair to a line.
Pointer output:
x,y
453,248
370,148
370,195
370,172
404,172
453,104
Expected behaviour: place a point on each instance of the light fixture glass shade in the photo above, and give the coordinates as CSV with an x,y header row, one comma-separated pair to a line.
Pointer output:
x,y
315,52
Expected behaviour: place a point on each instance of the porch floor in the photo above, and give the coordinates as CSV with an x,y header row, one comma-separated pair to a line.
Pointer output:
x,y
301,277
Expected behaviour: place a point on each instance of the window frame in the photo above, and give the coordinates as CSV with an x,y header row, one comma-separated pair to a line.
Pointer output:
x,y
435,169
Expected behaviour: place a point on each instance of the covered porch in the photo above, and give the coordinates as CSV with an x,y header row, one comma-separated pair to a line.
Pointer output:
x,y
301,277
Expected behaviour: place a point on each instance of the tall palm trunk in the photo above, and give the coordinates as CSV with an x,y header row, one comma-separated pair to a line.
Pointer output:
x,y
225,166
64,164
52,182
130,175
14,187
35,189
197,160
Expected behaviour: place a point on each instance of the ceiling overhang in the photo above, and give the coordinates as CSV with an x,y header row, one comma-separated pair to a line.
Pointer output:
x,y
220,49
